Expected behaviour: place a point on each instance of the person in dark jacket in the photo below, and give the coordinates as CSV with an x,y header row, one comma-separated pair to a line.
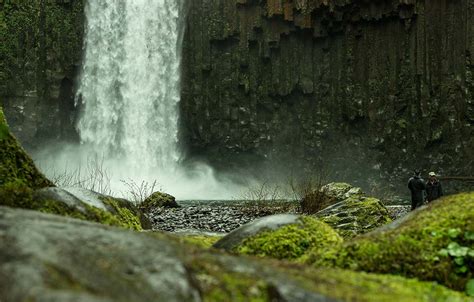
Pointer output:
x,y
434,190
417,187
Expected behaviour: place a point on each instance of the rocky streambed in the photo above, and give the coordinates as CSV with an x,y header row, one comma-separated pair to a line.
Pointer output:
x,y
225,216
214,216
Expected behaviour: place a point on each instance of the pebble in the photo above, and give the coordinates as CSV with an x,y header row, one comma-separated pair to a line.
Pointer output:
x,y
214,217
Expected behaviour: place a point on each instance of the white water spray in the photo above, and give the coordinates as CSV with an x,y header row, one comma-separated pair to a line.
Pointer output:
x,y
129,95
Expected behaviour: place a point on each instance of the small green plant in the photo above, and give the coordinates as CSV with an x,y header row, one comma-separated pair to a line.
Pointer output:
x,y
470,288
462,256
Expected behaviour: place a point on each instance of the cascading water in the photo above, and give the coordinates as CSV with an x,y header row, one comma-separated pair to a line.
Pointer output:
x,y
129,95
129,86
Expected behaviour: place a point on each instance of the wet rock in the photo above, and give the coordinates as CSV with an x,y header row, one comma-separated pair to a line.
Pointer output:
x,y
237,236
416,245
159,200
352,213
282,238
60,195
53,258
211,216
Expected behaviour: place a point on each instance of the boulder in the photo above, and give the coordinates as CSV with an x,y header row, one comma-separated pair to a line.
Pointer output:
x,y
89,205
52,258
288,237
236,237
159,200
15,164
434,243
351,212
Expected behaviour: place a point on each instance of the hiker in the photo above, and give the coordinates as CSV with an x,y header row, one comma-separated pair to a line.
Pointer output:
x,y
434,190
416,185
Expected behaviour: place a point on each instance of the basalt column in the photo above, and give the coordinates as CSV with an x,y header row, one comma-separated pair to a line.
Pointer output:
x,y
367,89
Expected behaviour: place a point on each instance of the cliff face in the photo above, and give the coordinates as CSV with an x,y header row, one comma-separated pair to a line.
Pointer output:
x,y
40,53
362,87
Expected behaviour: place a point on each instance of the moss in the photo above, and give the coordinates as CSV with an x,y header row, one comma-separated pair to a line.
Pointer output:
x,y
15,164
415,248
200,240
360,286
292,241
216,284
125,216
18,195
159,199
39,38
218,279
358,215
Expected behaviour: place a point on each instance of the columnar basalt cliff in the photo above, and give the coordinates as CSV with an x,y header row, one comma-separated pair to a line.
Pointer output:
x,y
360,87
40,51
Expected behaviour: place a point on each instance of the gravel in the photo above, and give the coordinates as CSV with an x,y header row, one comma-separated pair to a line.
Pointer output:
x,y
217,217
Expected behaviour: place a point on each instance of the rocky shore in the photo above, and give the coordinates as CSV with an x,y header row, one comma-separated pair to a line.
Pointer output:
x,y
213,216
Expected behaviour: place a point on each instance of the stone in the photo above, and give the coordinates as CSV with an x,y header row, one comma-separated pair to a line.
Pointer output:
x,y
351,212
159,199
291,242
419,245
273,222
87,201
313,76
45,257
60,195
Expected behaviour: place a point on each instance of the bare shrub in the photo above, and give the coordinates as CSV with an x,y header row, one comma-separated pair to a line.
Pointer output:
x,y
308,192
138,192
264,192
94,176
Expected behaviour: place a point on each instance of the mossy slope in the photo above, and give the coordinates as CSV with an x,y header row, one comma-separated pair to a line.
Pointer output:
x,y
435,243
15,163
291,241
93,262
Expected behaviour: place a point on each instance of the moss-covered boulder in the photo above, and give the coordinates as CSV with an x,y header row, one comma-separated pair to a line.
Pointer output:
x,y
113,211
22,185
351,212
53,258
159,200
288,237
434,243
15,164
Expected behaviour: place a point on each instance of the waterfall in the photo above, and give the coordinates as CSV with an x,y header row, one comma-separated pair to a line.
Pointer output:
x,y
129,86
129,94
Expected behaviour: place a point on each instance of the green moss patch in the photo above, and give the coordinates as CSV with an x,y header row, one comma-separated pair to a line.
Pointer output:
x,y
357,215
15,164
18,195
292,241
200,240
159,199
435,244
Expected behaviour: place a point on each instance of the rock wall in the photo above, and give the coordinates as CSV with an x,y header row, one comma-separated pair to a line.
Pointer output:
x,y
40,52
364,88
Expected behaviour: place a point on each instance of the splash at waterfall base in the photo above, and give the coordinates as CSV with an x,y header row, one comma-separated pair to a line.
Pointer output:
x,y
78,165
